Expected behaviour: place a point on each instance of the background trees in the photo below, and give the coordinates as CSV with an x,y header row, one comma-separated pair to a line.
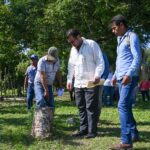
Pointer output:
x,y
37,25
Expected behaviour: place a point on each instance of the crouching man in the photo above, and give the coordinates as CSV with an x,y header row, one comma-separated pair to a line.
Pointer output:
x,y
47,70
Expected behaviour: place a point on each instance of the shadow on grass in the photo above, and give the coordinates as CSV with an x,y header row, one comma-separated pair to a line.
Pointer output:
x,y
16,138
142,148
144,123
24,121
18,108
61,103
144,136
61,129
16,127
108,122
16,130
115,132
140,104
109,132
143,105
72,143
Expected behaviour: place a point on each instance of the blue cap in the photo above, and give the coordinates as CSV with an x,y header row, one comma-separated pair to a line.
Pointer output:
x,y
33,56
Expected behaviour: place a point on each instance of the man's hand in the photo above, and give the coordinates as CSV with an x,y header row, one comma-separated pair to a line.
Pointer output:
x,y
26,82
126,80
46,94
96,80
25,87
69,86
113,82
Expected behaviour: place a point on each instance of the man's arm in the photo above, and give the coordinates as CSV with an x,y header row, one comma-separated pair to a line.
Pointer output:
x,y
44,83
70,72
98,57
136,53
135,50
114,80
26,82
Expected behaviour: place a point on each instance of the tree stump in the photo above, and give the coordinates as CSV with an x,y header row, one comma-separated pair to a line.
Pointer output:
x,y
42,123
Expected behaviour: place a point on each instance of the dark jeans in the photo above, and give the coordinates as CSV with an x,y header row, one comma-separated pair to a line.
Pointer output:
x,y
145,93
127,121
30,95
108,91
87,103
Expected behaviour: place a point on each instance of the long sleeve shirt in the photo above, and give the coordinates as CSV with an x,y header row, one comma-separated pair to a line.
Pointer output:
x,y
86,64
128,56
108,80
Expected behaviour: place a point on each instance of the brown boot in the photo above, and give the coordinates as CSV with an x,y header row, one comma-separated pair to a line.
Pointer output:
x,y
122,146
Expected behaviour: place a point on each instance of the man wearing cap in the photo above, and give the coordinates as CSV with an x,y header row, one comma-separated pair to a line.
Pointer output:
x,y
29,80
47,70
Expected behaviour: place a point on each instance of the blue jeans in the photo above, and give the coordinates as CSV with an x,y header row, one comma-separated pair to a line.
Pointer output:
x,y
30,95
127,121
39,96
108,91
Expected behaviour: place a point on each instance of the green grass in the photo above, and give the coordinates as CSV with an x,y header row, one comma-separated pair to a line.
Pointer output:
x,y
15,128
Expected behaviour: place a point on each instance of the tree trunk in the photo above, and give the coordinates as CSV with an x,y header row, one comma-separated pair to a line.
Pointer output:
x,y
42,123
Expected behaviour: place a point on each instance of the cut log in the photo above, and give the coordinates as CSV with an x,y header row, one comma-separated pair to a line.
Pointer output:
x,y
42,123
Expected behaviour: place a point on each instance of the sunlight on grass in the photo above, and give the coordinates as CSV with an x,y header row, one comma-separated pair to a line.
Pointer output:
x,y
15,127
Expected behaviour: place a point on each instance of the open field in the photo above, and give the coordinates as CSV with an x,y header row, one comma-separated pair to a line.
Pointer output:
x,y
15,127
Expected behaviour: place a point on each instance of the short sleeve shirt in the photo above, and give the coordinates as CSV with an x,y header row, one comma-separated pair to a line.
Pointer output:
x,y
50,70
31,72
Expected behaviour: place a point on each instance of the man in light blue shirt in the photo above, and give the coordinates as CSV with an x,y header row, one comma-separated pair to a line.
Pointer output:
x,y
126,75
29,80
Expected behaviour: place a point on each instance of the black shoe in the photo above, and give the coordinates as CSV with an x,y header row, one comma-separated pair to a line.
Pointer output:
x,y
90,135
80,134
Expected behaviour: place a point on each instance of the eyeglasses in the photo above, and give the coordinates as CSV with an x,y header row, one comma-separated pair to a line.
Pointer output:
x,y
72,41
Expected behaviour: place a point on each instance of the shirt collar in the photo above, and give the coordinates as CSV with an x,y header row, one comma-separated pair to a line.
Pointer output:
x,y
45,58
83,43
84,40
119,38
126,33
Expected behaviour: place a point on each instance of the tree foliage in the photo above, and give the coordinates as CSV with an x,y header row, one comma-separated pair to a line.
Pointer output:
x,y
37,25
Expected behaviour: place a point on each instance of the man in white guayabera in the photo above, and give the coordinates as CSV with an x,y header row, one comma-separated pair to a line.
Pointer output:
x,y
85,65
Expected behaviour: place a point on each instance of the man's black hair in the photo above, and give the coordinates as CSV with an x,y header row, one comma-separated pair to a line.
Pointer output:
x,y
72,32
119,19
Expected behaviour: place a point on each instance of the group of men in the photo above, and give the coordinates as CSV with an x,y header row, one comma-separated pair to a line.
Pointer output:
x,y
39,78
85,67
